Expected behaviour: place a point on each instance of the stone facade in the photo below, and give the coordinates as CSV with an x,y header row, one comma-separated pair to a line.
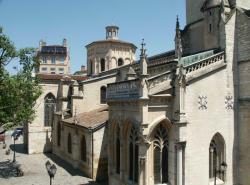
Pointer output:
x,y
174,118
109,54
54,59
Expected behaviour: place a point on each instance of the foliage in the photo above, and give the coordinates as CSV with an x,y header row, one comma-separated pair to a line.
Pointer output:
x,y
7,51
18,93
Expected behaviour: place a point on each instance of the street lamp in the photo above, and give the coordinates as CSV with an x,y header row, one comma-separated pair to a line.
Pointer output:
x,y
51,169
15,137
222,170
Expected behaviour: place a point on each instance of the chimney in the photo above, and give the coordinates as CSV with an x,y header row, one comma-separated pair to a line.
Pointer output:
x,y
83,68
65,42
41,44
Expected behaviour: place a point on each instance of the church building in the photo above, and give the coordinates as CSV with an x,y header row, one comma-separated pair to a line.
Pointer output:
x,y
176,118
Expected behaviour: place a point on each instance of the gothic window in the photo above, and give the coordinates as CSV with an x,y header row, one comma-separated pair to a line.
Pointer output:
x,y
118,149
133,155
69,144
160,155
103,95
58,134
49,109
120,62
210,28
216,156
102,64
83,149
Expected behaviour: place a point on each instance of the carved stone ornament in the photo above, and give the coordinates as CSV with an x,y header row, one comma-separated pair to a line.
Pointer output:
x,y
202,101
181,75
144,82
229,102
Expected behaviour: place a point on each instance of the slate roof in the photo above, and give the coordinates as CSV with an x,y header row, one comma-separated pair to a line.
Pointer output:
x,y
91,119
53,49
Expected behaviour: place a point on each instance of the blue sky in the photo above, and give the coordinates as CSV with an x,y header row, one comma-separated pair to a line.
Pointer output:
x,y
84,21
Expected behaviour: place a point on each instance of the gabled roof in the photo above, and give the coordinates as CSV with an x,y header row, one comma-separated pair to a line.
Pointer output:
x,y
90,120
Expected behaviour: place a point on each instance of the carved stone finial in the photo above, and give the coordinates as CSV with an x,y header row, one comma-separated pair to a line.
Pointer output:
x,y
177,23
143,61
178,42
143,50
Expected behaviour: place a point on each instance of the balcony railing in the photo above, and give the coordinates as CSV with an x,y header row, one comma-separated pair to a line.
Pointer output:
x,y
206,62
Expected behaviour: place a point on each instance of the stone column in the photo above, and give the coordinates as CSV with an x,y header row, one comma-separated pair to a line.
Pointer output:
x,y
110,149
142,164
107,65
211,151
96,66
180,156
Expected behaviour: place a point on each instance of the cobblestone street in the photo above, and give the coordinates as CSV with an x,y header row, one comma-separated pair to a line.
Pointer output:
x,y
34,168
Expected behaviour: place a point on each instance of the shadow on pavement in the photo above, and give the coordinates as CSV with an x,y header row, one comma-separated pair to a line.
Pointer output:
x,y
19,148
69,168
65,165
7,169
93,183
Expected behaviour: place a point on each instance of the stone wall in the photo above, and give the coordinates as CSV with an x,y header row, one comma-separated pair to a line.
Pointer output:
x,y
111,52
39,136
95,165
91,93
243,61
193,12
203,122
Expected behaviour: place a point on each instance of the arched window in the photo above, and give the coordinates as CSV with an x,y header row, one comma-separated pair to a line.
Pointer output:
x,y
133,155
160,141
69,144
102,64
103,95
91,67
118,149
216,157
49,109
120,62
58,134
83,149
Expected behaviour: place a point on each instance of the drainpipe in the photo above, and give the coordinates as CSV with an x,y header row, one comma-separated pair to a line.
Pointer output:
x,y
92,140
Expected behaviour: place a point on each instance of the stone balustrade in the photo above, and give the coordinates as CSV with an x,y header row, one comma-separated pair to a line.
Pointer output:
x,y
158,79
206,62
129,89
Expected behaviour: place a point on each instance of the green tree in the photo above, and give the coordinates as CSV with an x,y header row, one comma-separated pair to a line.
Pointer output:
x,y
7,51
18,93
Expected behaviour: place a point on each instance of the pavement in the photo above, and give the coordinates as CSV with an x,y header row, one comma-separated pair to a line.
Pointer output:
x,y
34,169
